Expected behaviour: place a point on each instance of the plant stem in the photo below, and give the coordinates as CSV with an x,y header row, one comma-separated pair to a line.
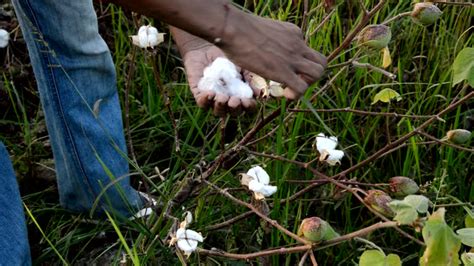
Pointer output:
x,y
401,15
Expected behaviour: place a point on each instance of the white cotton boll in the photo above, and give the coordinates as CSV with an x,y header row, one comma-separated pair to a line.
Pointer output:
x,y
4,38
142,37
187,240
255,186
324,143
240,89
334,157
212,84
267,191
259,174
326,147
226,67
147,36
154,37
222,77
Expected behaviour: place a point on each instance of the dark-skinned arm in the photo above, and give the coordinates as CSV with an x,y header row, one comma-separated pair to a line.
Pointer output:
x,y
273,49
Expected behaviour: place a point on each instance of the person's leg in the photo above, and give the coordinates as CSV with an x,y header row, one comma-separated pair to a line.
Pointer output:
x,y
76,81
14,247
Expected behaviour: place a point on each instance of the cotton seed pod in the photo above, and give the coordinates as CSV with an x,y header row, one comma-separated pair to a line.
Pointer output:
x,y
426,13
375,36
403,186
458,136
316,229
379,200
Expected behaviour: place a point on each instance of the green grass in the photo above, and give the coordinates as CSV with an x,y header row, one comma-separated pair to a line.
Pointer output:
x,y
422,59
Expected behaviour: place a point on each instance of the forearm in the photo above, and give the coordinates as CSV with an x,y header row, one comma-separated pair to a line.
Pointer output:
x,y
204,18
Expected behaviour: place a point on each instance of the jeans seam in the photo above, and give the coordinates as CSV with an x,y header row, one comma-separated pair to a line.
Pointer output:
x,y
50,75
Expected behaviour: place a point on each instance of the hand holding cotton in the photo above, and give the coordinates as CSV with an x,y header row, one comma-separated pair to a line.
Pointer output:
x,y
222,77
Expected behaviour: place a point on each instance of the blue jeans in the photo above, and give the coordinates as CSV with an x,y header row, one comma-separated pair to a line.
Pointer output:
x,y
77,84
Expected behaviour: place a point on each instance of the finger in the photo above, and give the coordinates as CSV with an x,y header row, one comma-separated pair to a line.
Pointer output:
x,y
249,105
220,104
235,106
291,94
205,99
310,71
316,57
298,87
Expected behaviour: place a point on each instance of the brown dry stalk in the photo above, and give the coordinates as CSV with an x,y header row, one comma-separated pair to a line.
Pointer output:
x,y
301,248
347,41
362,112
256,211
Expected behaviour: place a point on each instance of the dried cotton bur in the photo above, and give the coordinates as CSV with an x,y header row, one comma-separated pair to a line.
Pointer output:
x,y
270,88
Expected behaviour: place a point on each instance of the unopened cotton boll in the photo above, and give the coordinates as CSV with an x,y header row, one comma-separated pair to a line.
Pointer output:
x,y
4,38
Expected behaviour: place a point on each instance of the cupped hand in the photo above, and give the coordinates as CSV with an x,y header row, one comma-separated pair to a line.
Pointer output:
x,y
195,61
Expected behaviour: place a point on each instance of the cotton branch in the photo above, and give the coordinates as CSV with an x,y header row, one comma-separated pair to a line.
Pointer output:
x,y
444,142
256,211
362,112
374,68
347,41
302,248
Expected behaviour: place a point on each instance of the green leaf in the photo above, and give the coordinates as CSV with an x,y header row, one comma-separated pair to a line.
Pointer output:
x,y
386,95
469,221
393,260
463,67
442,244
378,258
467,259
467,236
419,202
405,213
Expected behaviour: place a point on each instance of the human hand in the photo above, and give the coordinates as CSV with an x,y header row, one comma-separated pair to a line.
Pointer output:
x,y
196,59
275,50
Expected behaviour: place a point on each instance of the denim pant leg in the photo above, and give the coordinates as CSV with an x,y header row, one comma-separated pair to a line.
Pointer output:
x,y
14,247
77,84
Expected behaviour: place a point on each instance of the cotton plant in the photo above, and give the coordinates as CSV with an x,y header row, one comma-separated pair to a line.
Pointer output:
x,y
326,147
147,37
222,77
257,180
186,240
4,38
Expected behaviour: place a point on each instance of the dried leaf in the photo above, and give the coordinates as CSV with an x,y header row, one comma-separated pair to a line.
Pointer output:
x,y
387,59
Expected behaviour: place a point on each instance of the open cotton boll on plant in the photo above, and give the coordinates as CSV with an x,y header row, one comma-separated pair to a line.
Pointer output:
x,y
4,38
222,77
188,240
257,180
148,36
327,149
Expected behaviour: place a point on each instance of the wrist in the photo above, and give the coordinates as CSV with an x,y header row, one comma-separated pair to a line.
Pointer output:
x,y
187,42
